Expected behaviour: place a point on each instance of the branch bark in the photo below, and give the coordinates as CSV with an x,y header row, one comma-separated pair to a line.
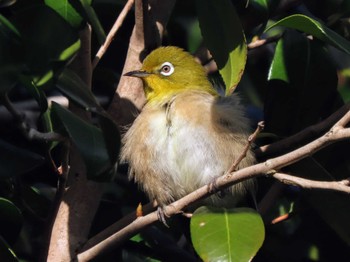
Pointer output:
x,y
80,201
151,18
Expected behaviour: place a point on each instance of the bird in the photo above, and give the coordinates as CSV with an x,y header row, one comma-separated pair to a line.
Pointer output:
x,y
186,135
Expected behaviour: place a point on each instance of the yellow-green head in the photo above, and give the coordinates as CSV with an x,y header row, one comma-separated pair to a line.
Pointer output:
x,y
170,70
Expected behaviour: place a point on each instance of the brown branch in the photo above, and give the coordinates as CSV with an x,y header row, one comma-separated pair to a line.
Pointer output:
x,y
267,168
342,186
118,23
251,140
151,18
282,218
79,202
262,42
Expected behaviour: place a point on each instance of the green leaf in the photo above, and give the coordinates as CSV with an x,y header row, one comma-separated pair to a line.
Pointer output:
x,y
278,68
220,234
313,27
10,221
88,140
66,10
194,36
36,92
16,161
71,85
47,125
7,28
302,87
223,35
84,8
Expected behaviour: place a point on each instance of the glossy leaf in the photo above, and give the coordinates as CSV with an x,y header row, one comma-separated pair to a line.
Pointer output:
x,y
10,221
71,85
36,92
278,68
220,234
88,140
16,161
294,81
313,27
66,10
84,8
219,20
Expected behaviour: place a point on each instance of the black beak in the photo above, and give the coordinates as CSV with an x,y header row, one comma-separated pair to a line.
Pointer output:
x,y
137,73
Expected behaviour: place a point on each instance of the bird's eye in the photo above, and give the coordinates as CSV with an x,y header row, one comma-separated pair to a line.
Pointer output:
x,y
167,69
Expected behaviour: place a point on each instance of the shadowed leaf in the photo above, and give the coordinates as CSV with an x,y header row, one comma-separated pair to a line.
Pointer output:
x,y
219,20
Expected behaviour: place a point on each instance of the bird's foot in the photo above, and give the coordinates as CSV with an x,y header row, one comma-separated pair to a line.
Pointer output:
x,y
161,214
213,188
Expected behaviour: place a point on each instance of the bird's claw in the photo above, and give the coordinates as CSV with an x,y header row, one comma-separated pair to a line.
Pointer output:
x,y
162,215
213,188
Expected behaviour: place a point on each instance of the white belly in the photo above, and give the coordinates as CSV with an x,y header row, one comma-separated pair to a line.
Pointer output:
x,y
186,152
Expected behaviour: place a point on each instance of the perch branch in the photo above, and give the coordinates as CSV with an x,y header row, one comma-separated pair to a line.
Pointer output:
x,y
251,140
267,168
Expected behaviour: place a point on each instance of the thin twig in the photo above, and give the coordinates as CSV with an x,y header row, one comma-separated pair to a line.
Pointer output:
x,y
261,42
250,141
282,218
118,23
33,134
342,186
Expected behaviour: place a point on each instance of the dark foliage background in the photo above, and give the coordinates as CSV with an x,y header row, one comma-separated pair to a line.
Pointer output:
x,y
310,80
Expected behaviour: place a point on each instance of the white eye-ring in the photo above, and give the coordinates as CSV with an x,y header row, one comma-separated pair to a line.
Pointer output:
x,y
167,69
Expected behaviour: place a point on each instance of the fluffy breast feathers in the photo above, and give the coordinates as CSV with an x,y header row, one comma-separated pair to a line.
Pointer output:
x,y
174,149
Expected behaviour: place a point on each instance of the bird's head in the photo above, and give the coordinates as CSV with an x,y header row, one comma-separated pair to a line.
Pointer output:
x,y
168,71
